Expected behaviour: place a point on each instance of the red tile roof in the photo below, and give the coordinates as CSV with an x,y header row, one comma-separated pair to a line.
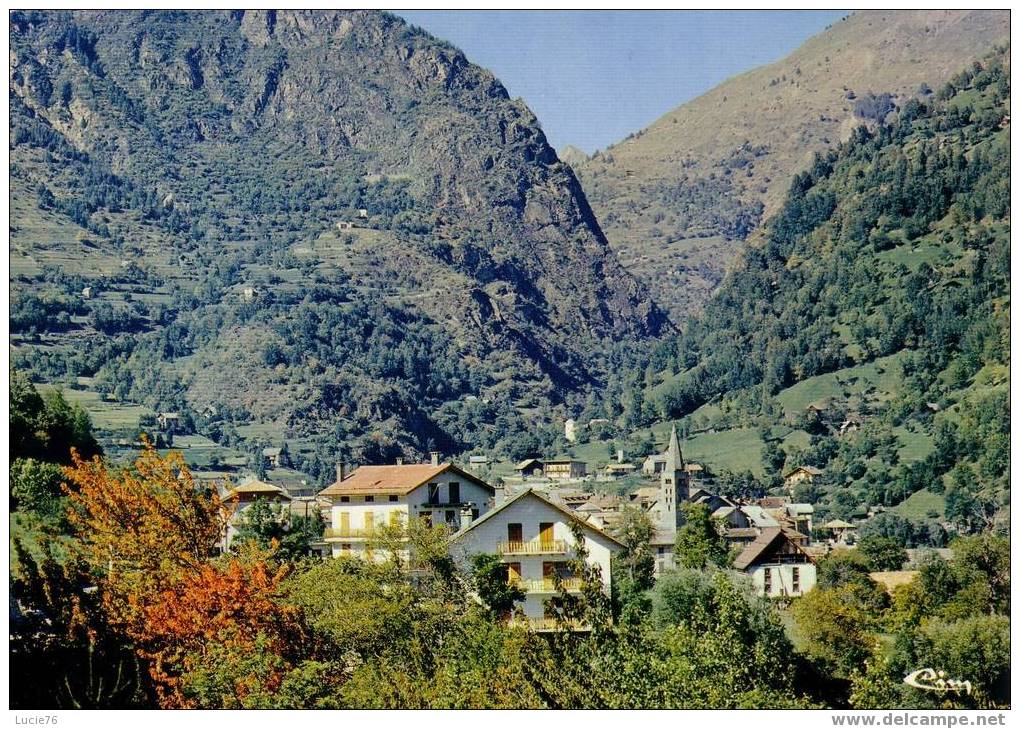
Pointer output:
x,y
400,480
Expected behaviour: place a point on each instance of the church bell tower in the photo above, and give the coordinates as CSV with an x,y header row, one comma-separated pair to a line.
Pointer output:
x,y
674,486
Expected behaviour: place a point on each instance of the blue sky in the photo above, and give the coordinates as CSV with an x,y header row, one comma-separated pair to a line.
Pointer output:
x,y
593,77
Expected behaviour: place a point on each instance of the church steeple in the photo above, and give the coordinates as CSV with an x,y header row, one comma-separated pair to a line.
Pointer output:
x,y
674,487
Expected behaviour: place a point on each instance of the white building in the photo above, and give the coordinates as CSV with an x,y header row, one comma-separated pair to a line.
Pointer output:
x,y
777,564
533,537
374,496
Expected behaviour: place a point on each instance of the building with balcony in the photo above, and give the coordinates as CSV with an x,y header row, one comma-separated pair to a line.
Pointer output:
x,y
376,496
778,564
533,537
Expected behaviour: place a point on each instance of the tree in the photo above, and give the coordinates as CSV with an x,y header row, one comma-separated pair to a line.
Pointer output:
x,y
633,566
275,527
138,522
834,629
699,542
36,486
496,591
884,554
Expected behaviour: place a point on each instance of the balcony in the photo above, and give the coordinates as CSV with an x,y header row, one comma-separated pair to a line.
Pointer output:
x,y
555,546
350,533
547,584
550,625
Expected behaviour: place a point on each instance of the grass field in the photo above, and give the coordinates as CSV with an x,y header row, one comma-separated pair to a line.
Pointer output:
x,y
877,379
916,506
106,414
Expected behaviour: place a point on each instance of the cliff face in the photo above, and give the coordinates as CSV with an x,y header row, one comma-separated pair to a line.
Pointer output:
x,y
239,140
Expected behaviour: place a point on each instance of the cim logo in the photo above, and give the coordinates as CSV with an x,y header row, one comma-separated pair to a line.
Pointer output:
x,y
928,679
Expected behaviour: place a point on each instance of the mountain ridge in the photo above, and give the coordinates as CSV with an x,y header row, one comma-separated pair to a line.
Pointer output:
x,y
676,197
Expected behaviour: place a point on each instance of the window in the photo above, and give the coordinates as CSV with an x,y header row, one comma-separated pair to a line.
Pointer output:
x,y
545,533
369,521
796,580
768,580
450,516
662,551
454,493
369,499
345,547
427,518
474,513
395,518
514,533
345,524
393,497
345,499
433,493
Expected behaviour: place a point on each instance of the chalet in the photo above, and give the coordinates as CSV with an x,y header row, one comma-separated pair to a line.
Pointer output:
x,y
819,406
565,469
840,532
238,499
530,468
275,457
86,293
170,422
345,225
801,474
374,497
362,213
777,564
478,461
534,538
654,464
249,293
570,430
851,424
615,470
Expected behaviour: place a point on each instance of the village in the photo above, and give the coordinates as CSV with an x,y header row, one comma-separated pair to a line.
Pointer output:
x,y
534,519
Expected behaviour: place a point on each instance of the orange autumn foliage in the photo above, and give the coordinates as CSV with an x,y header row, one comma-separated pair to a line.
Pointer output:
x,y
151,534
149,518
233,605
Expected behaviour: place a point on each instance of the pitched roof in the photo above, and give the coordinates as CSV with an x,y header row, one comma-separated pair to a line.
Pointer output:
x,y
525,463
806,469
271,451
741,532
395,479
674,458
258,488
759,517
541,497
837,524
754,550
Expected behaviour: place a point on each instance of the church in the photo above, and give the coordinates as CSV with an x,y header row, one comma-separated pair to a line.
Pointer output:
x,y
674,490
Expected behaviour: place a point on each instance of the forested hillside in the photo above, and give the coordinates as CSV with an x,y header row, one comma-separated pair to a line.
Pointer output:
x,y
891,251
327,222
677,199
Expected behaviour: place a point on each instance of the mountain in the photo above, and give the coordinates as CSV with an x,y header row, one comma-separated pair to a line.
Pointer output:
x,y
883,280
676,198
326,220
